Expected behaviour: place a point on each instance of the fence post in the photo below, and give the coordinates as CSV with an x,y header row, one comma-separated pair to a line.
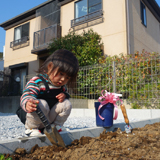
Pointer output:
x,y
114,77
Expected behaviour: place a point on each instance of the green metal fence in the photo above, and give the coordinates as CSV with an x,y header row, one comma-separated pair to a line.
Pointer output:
x,y
137,81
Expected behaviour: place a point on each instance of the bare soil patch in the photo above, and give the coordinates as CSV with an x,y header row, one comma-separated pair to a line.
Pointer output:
x,y
142,143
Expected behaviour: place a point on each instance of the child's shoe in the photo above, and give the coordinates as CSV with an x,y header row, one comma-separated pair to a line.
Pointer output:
x,y
60,128
33,132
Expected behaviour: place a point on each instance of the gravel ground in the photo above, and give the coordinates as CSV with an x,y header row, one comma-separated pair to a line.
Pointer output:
x,y
11,127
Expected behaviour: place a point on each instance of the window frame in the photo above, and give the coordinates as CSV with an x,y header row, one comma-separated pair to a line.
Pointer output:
x,y
19,42
87,7
21,31
143,14
93,5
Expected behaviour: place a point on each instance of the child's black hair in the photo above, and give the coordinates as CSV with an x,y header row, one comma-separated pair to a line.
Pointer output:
x,y
65,61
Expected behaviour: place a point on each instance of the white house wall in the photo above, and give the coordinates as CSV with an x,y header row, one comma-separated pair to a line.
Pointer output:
x,y
112,30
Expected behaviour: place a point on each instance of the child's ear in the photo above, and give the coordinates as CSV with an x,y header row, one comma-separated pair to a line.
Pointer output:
x,y
50,67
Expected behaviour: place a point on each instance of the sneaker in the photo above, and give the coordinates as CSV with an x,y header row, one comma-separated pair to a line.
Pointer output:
x,y
60,128
33,132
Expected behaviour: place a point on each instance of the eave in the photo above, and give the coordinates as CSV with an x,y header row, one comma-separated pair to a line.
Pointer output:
x,y
21,17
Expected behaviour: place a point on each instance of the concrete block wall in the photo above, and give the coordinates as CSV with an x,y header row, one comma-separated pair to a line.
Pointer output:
x,y
89,103
11,103
138,114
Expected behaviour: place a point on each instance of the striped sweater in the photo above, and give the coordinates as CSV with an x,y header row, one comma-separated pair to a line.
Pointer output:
x,y
34,87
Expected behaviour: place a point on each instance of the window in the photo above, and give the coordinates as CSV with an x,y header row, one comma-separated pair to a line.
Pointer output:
x,y
84,7
87,13
21,32
143,14
21,37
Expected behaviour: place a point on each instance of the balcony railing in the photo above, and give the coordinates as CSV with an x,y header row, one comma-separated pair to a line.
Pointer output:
x,y
19,41
43,37
87,18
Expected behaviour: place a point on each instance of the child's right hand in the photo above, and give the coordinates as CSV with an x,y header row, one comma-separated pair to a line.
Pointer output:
x,y
31,105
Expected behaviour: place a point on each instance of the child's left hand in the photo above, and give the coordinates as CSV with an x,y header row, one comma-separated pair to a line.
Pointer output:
x,y
61,97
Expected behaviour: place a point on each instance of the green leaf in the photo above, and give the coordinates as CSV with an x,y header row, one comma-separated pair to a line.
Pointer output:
x,y
9,158
2,157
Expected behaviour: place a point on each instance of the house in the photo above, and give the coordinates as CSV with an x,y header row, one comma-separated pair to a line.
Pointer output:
x,y
27,38
1,64
1,67
125,26
1,61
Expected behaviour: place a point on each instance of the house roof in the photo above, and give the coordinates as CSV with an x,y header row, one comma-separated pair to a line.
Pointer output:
x,y
151,4
24,15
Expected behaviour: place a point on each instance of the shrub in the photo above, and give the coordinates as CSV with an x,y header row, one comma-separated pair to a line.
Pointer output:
x,y
86,46
136,78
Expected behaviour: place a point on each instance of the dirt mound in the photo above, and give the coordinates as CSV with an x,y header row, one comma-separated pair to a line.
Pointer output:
x,y
142,143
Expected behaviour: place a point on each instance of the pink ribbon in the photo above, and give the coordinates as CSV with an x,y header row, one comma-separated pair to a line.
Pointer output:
x,y
108,98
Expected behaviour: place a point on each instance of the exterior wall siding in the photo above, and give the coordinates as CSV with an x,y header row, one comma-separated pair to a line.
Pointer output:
x,y
112,30
23,54
141,37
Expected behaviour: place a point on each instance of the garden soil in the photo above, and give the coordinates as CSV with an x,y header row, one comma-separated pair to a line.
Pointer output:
x,y
142,144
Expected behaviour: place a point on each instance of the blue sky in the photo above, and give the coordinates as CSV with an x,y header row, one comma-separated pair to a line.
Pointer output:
x,y
12,8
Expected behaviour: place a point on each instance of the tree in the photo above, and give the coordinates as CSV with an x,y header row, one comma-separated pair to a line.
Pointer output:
x,y
1,54
86,46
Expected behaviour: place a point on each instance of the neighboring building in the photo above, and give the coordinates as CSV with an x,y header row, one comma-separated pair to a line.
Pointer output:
x,y
27,38
1,64
1,68
124,25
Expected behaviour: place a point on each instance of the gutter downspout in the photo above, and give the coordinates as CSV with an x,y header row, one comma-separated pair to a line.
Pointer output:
x,y
127,27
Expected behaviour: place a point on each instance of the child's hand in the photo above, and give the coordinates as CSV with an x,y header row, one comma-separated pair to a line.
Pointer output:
x,y
61,97
31,105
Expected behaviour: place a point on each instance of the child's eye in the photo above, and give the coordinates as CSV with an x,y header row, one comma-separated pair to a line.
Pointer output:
x,y
61,74
68,77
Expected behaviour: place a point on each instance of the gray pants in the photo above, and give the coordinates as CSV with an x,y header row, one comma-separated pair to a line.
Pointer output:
x,y
57,115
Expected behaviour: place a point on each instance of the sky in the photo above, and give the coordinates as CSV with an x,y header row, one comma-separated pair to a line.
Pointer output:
x,y
11,8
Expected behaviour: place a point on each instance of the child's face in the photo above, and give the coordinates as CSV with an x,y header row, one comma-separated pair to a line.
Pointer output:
x,y
59,79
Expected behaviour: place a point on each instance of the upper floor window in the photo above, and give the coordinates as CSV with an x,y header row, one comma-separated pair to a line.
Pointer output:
x,y
21,36
21,31
84,7
143,14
